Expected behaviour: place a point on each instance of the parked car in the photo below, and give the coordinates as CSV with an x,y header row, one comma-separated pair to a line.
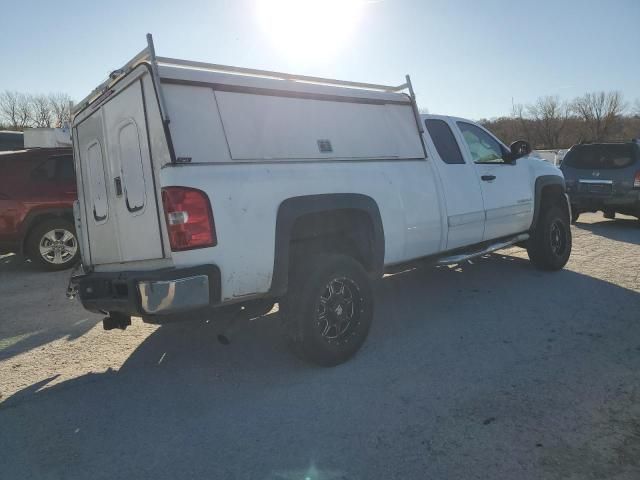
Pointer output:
x,y
266,187
603,176
37,191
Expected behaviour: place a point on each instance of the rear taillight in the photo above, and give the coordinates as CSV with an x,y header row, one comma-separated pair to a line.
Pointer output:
x,y
189,218
636,180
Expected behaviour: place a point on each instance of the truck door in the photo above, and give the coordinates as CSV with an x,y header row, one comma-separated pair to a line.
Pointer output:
x,y
506,187
121,208
461,187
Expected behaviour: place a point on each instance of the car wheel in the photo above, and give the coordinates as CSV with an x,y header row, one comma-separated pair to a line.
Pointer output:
x,y
328,309
53,244
549,246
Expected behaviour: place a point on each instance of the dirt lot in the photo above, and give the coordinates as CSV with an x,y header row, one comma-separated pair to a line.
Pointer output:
x,y
490,370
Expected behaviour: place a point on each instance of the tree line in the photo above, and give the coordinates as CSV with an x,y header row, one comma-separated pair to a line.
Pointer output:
x,y
22,110
548,123
553,123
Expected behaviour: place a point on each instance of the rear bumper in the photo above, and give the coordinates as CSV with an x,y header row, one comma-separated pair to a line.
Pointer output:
x,y
157,296
585,201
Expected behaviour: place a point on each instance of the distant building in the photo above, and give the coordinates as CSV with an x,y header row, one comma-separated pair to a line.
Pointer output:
x,y
47,137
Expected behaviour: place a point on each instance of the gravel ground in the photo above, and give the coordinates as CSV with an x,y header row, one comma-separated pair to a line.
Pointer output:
x,y
490,370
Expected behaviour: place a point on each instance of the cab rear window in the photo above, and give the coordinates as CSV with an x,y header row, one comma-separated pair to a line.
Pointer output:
x,y
600,156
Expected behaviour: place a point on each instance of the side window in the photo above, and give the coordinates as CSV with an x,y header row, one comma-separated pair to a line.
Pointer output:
x,y
483,147
131,164
97,185
444,141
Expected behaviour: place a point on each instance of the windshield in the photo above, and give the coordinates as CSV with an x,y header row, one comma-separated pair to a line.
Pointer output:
x,y
600,156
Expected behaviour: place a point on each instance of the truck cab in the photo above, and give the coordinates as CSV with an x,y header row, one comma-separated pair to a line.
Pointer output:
x,y
489,191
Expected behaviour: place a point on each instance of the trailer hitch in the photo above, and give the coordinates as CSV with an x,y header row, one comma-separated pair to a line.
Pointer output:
x,y
116,320
74,278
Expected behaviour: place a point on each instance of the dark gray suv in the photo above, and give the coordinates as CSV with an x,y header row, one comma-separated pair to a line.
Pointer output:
x,y
603,176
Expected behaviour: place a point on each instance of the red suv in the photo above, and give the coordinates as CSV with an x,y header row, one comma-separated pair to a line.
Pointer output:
x,y
37,191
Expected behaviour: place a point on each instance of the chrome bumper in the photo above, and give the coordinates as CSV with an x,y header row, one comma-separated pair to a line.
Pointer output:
x,y
171,296
153,295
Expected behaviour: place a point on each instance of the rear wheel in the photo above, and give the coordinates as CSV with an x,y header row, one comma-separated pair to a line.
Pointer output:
x,y
53,244
549,246
328,309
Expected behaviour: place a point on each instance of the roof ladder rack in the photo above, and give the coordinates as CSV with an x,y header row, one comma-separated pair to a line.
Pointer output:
x,y
148,54
276,75
153,60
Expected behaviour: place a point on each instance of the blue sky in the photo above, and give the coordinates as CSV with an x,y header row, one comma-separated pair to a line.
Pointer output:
x,y
467,58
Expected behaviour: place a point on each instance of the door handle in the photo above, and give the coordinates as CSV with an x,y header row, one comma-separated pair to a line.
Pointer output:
x,y
488,178
118,184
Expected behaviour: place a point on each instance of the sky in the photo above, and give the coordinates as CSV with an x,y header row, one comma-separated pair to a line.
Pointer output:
x,y
469,58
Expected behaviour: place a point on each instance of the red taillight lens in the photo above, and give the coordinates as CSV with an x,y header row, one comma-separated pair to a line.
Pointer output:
x,y
636,180
189,218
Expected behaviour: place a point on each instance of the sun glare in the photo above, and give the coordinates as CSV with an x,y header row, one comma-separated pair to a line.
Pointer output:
x,y
309,31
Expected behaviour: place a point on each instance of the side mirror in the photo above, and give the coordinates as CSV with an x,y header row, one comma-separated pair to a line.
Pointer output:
x,y
519,148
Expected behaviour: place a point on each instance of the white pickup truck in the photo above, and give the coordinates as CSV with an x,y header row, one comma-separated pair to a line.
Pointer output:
x,y
207,191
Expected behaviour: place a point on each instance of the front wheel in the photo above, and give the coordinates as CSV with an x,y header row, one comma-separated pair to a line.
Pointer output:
x,y
53,244
549,246
328,309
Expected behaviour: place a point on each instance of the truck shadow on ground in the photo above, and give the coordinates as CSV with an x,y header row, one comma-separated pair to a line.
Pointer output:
x,y
34,310
452,350
621,229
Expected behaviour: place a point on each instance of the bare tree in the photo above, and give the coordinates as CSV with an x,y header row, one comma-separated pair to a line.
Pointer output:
x,y
550,115
60,104
19,110
24,111
41,114
9,108
523,125
636,108
599,111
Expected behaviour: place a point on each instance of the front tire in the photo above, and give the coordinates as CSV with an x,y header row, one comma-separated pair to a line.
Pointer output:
x,y
53,245
549,246
328,309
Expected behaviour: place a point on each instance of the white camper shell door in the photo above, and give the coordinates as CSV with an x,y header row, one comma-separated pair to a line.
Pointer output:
x,y
120,199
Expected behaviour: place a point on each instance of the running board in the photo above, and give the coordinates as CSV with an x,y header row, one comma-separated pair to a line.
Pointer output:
x,y
463,257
